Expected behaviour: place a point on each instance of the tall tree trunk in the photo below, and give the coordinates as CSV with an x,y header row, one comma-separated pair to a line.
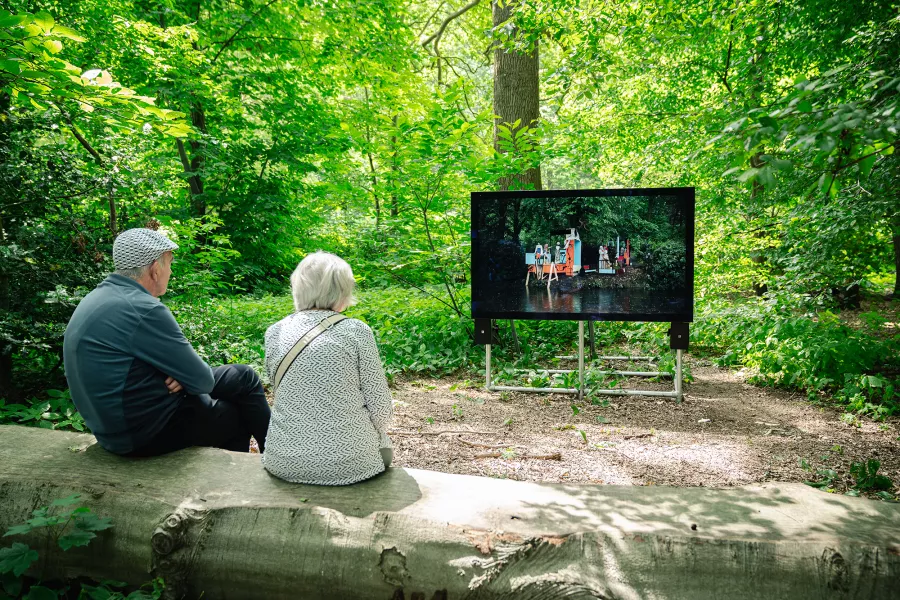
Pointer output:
x,y
516,92
895,232
757,255
394,150
198,118
760,58
6,349
373,174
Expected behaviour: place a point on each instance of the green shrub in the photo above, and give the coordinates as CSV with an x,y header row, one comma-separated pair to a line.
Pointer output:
x,y
791,341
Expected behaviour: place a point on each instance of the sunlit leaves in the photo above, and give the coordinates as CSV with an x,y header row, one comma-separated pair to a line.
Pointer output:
x,y
35,78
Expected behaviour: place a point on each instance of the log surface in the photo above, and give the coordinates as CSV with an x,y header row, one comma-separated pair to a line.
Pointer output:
x,y
215,522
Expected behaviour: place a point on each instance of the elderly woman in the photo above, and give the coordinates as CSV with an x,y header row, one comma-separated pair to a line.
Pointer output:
x,y
332,403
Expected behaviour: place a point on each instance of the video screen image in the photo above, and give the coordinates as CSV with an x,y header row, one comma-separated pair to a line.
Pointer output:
x,y
615,255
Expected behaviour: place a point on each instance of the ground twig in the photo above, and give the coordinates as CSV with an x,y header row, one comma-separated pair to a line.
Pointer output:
x,y
446,432
554,456
478,445
639,435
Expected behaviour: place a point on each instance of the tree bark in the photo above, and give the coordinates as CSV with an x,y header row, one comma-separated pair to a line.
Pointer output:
x,y
6,349
215,523
516,92
395,149
896,239
198,118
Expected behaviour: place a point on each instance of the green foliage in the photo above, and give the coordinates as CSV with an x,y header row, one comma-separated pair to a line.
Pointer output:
x,y
333,127
57,412
68,526
866,477
667,264
793,341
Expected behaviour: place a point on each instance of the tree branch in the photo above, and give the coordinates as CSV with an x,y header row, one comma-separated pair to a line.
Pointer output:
x,y
440,32
265,37
433,15
241,28
728,58
186,164
86,144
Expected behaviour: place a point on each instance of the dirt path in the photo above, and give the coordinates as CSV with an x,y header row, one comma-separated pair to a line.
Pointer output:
x,y
752,434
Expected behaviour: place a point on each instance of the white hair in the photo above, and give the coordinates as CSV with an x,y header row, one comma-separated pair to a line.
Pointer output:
x,y
322,280
136,273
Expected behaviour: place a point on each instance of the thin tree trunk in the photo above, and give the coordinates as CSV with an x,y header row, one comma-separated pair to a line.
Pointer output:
x,y
516,93
394,148
373,173
113,223
896,240
198,118
760,59
759,287
6,349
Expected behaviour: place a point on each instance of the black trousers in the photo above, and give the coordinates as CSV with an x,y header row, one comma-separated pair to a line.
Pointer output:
x,y
226,418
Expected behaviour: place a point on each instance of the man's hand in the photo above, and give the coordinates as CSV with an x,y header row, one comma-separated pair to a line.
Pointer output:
x,y
173,385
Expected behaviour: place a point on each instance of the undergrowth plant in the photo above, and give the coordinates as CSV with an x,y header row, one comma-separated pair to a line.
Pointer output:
x,y
56,412
69,526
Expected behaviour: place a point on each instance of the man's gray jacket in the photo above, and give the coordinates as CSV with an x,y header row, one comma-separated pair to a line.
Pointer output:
x,y
119,347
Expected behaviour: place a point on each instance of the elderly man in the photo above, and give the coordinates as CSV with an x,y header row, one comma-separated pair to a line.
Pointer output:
x,y
137,381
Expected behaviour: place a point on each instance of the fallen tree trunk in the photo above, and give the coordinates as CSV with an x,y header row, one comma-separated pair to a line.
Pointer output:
x,y
213,522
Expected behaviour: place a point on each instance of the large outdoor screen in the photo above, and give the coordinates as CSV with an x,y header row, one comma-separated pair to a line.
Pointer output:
x,y
611,255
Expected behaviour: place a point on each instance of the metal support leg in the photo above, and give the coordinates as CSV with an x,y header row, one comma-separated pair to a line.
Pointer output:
x,y
678,393
487,367
592,341
515,336
580,360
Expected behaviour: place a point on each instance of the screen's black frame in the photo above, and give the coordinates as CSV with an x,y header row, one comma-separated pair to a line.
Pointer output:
x,y
685,195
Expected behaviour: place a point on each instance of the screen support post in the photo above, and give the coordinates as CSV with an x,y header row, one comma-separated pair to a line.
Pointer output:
x,y
678,332
581,360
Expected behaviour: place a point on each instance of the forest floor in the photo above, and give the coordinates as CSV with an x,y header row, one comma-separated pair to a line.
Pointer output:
x,y
725,432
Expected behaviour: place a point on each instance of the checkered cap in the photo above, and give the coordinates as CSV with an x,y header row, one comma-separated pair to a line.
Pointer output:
x,y
139,247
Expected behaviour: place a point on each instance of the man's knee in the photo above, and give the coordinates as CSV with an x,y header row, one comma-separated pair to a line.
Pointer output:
x,y
246,374
242,376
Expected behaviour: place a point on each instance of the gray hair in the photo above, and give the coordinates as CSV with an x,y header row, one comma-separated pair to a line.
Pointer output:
x,y
137,272
324,281
134,273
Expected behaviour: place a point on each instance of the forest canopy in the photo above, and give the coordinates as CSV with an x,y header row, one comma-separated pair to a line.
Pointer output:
x,y
256,131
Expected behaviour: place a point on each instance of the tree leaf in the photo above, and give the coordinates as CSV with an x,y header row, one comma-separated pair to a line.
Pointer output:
x,y
76,538
53,46
44,20
11,584
865,166
39,592
17,558
10,66
91,522
65,32
67,501
9,20
18,530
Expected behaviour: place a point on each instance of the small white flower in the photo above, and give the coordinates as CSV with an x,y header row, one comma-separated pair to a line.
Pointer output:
x,y
148,128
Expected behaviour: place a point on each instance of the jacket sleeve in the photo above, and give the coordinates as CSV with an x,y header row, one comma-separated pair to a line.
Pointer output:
x,y
158,341
373,384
